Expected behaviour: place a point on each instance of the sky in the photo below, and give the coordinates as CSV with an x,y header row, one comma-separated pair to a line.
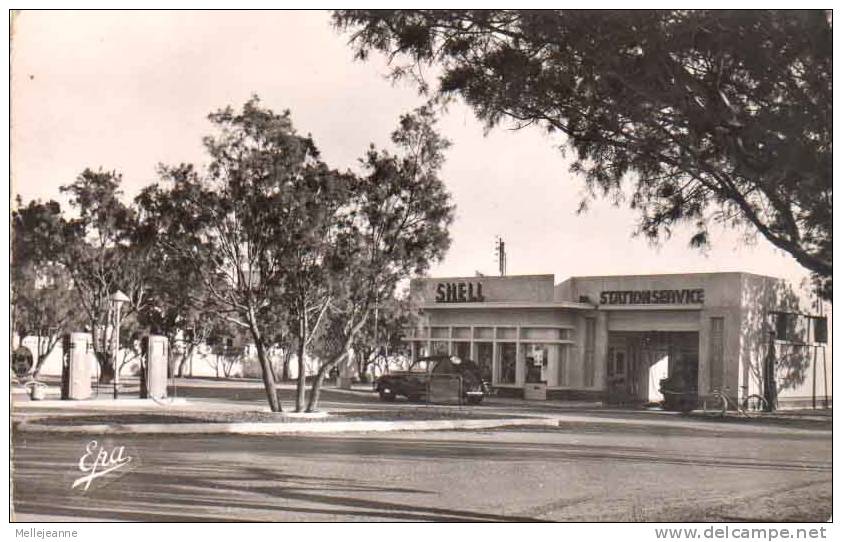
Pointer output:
x,y
129,90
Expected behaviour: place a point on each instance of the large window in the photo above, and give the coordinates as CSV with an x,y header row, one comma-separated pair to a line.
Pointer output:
x,y
439,347
485,359
547,363
510,354
537,359
440,333
507,354
462,349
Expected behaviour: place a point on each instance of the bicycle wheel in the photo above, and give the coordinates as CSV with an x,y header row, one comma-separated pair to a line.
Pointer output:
x,y
716,404
754,404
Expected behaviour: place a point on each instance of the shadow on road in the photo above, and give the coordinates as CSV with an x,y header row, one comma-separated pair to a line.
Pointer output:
x,y
212,493
197,478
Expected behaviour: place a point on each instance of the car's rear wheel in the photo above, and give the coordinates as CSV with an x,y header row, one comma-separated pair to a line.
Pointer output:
x,y
387,394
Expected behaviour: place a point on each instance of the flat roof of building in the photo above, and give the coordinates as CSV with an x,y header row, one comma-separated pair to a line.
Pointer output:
x,y
511,305
644,275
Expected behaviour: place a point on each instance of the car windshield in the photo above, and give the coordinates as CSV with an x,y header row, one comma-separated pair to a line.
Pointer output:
x,y
419,366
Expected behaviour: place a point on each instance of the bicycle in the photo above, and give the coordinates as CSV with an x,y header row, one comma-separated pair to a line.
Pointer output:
x,y
720,401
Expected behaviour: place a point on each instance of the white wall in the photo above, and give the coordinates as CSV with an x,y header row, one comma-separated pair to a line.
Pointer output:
x,y
52,365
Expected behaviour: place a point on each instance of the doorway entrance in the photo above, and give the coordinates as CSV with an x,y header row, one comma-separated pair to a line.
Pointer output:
x,y
640,364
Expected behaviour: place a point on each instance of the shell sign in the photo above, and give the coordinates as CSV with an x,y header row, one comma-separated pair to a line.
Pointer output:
x,y
459,292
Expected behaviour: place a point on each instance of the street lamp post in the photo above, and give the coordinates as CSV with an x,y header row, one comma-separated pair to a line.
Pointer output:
x,y
117,299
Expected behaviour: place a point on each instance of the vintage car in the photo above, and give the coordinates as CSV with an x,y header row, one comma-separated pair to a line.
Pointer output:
x,y
414,384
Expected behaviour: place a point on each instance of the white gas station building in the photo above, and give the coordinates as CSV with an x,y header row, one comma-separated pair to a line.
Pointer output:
x,y
613,338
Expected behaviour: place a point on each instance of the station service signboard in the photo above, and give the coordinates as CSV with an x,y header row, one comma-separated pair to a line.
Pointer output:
x,y
653,297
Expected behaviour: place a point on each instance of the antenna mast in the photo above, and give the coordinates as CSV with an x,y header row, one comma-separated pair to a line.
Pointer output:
x,y
500,249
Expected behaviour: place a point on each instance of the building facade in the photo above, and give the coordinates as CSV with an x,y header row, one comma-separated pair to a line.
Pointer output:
x,y
615,338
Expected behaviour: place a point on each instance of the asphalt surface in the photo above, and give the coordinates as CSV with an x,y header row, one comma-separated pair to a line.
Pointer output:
x,y
584,471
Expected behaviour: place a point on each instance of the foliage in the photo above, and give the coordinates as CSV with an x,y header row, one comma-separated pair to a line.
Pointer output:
x,y
396,226
43,301
98,250
170,309
382,334
265,199
267,245
103,250
690,116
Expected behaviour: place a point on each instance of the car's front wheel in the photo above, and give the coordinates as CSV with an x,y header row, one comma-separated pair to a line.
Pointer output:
x,y
387,395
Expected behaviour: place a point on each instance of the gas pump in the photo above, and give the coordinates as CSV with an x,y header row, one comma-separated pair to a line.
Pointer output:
x,y
153,374
76,367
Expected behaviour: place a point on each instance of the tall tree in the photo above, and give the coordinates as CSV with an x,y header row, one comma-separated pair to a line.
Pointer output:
x,y
314,226
396,225
102,252
707,116
245,227
171,309
42,298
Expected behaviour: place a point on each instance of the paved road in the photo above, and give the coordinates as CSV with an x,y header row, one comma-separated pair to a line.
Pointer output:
x,y
578,472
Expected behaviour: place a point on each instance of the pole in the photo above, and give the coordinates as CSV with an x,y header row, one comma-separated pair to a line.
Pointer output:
x,y
116,352
502,258
769,384
824,370
815,361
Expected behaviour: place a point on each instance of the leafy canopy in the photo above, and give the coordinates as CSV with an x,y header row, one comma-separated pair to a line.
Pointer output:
x,y
253,230
42,298
394,225
694,116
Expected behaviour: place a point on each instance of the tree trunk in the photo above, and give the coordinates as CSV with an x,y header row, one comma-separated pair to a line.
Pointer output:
x,y
268,378
274,370
285,369
179,371
315,393
770,386
302,382
323,370
106,368
361,364
365,361
42,356
36,371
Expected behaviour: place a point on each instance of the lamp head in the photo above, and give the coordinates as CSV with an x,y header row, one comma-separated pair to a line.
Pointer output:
x,y
118,298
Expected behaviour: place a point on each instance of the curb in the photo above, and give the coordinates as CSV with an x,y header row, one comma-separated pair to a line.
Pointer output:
x,y
101,403
699,424
270,428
